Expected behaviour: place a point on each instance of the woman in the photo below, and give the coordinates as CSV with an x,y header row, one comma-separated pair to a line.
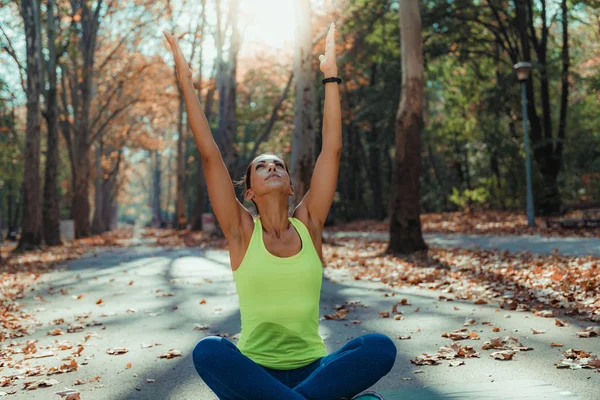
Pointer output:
x,y
276,263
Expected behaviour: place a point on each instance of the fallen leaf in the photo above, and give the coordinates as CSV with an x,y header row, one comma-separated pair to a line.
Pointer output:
x,y
590,331
545,313
456,363
503,355
33,385
69,394
170,354
117,350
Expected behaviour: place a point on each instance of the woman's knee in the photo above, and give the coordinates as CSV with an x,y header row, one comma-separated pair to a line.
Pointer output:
x,y
208,349
384,347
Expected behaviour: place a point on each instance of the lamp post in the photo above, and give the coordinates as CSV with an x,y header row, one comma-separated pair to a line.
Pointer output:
x,y
523,69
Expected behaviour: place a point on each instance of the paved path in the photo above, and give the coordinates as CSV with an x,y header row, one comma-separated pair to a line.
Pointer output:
x,y
534,243
191,275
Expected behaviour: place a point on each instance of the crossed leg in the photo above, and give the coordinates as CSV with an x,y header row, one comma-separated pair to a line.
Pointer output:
x,y
231,375
234,376
358,365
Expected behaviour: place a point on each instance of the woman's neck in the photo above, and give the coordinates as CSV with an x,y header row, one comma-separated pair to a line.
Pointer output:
x,y
274,217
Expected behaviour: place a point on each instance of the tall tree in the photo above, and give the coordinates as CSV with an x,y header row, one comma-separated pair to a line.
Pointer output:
x,y
81,90
227,82
51,210
547,147
405,224
303,140
31,224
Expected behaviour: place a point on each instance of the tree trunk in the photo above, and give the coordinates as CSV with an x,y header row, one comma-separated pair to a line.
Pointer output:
x,y
304,108
51,209
374,170
100,196
156,214
180,219
77,135
226,86
405,223
31,224
547,149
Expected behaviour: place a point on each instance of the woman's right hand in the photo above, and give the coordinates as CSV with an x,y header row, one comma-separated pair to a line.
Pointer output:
x,y
181,65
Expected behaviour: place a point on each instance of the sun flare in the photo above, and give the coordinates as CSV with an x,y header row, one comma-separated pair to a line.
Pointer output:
x,y
267,22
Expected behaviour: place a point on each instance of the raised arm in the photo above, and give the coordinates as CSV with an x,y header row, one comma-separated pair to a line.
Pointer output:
x,y
323,182
228,209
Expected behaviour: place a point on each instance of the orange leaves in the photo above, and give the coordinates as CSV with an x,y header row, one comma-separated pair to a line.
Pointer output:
x,y
446,353
461,334
515,281
33,385
577,359
171,354
69,394
503,355
545,313
117,350
342,310
505,343
590,331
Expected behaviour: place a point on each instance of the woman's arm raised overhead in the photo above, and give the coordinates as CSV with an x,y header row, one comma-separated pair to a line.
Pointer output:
x,y
228,210
323,182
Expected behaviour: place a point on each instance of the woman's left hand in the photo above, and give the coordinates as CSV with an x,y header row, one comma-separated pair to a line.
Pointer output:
x,y
328,61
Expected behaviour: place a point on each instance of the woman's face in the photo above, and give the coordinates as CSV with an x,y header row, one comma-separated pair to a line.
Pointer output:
x,y
268,173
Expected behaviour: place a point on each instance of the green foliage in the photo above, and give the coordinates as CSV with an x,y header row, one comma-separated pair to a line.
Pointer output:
x,y
468,198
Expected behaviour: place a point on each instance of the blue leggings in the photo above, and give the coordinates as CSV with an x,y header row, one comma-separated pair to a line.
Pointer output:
x,y
358,365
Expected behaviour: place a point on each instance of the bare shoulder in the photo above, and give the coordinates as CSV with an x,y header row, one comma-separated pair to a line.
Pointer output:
x,y
238,244
302,214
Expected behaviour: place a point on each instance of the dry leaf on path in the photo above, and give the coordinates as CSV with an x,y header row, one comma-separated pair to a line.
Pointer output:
x,y
170,354
69,394
590,331
503,355
33,385
117,350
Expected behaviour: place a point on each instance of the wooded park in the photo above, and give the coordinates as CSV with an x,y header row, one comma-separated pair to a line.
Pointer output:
x,y
470,147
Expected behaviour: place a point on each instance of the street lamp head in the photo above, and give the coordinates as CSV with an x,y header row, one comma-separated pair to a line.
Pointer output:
x,y
522,69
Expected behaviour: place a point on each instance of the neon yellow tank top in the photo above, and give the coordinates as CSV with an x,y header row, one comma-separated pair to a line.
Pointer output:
x,y
279,303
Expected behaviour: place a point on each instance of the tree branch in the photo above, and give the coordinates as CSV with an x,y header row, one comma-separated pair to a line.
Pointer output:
x,y
96,135
273,118
121,42
11,51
